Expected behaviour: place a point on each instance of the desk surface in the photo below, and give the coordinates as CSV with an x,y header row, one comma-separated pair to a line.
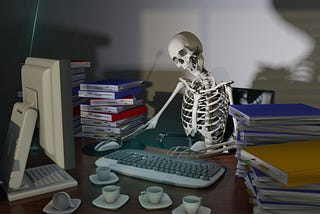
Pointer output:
x,y
228,195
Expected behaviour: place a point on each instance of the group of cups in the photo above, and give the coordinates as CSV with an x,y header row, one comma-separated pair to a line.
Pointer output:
x,y
153,194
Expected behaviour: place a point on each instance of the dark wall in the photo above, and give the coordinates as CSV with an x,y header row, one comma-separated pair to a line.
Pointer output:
x,y
16,21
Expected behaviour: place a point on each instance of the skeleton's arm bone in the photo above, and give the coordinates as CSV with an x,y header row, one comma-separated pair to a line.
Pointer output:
x,y
152,123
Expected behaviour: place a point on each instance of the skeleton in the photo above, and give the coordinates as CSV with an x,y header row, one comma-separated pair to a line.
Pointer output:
x,y
205,103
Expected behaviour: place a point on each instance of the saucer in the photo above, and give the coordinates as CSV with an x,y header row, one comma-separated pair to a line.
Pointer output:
x,y
112,179
202,210
165,202
51,210
100,202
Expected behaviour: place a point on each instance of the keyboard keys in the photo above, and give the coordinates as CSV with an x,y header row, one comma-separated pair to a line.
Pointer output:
x,y
157,167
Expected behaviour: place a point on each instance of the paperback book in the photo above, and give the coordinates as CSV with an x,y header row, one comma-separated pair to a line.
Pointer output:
x,y
275,114
111,130
118,123
106,109
80,63
114,85
128,100
101,134
257,137
312,129
114,117
109,94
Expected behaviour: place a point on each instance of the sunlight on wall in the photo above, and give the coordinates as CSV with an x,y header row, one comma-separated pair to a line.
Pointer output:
x,y
235,40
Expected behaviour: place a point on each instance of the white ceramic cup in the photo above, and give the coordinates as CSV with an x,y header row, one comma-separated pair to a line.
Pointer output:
x,y
153,193
191,203
61,201
111,193
103,173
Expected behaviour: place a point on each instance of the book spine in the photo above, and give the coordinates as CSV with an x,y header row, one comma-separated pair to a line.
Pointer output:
x,y
115,102
97,122
98,87
109,95
130,112
94,115
80,63
110,130
113,117
113,88
101,129
97,94
100,109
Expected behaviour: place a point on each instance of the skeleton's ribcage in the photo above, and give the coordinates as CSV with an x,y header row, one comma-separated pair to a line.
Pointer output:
x,y
211,114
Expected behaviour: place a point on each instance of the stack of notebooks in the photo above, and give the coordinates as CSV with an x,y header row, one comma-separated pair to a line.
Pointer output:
x,y
262,124
78,72
283,178
113,110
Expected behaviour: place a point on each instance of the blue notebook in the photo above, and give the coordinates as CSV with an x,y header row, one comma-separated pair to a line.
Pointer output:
x,y
274,112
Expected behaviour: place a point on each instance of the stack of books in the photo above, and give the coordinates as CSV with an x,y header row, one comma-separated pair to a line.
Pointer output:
x,y
113,110
283,178
261,124
78,75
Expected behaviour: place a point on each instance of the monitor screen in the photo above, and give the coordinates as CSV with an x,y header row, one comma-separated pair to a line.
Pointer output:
x,y
46,87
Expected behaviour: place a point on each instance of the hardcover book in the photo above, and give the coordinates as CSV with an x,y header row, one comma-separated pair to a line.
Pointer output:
x,y
106,109
109,94
292,163
80,63
114,117
117,123
111,130
128,100
269,137
115,85
275,113
101,134
312,129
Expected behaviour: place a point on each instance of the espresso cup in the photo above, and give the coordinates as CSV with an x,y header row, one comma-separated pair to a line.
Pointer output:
x,y
153,193
61,201
103,173
111,193
191,203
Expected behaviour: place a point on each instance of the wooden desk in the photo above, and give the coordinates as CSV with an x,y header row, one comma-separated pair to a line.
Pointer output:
x,y
228,195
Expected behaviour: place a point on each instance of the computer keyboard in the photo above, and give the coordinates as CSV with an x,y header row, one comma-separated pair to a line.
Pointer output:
x,y
42,179
178,171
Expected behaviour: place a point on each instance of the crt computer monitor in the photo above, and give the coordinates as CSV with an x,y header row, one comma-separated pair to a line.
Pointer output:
x,y
51,81
47,101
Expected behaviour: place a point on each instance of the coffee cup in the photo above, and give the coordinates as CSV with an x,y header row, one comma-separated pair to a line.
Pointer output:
x,y
153,194
191,203
111,193
61,201
103,173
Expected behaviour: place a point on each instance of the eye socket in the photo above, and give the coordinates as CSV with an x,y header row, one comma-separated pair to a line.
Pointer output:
x,y
177,60
182,52
181,61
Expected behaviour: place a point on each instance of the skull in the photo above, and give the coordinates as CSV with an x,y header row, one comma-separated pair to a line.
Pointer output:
x,y
185,49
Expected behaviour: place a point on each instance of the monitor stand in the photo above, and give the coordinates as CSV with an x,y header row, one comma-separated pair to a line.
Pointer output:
x,y
19,183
